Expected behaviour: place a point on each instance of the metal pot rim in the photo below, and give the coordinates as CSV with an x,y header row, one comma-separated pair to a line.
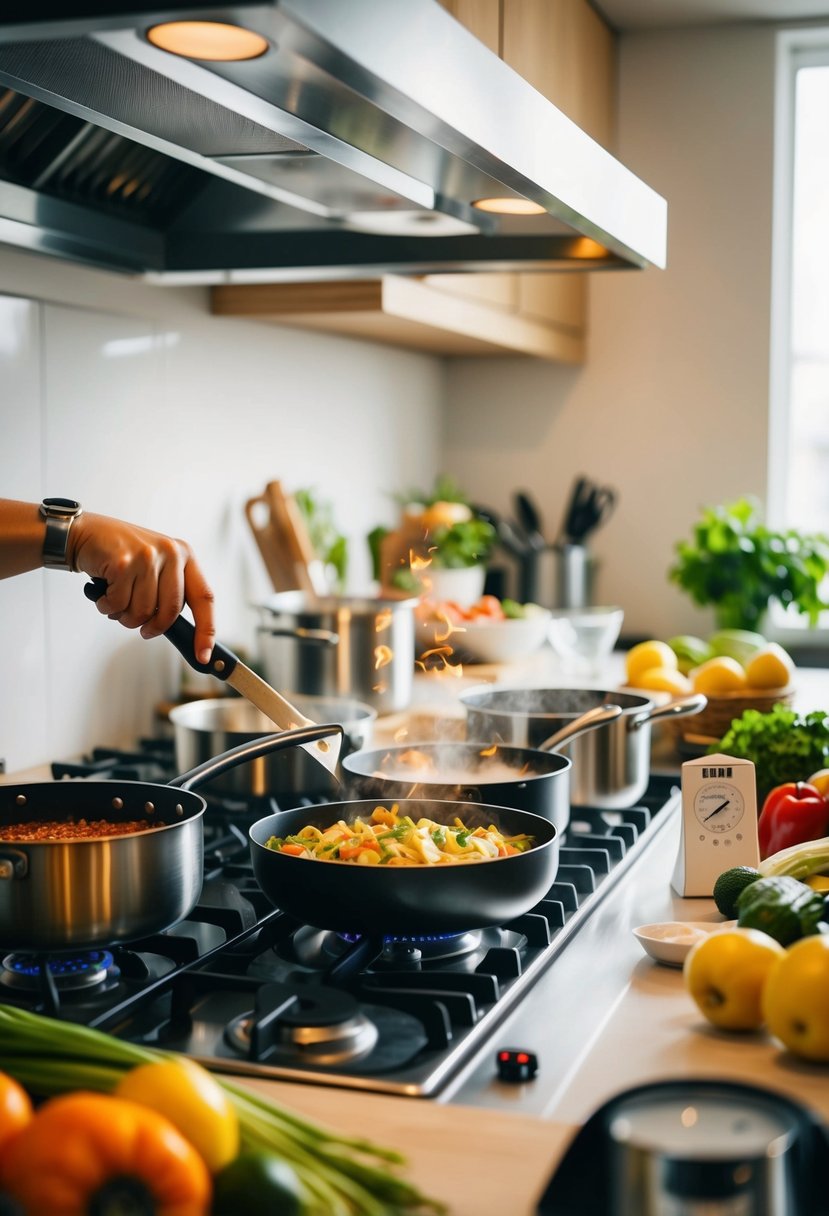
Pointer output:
x,y
363,713
191,817
349,764
297,603
630,703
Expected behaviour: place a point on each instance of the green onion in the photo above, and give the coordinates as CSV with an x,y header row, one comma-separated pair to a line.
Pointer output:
x,y
338,1172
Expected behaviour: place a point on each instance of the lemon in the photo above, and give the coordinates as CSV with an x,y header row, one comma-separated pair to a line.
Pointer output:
x,y
726,972
664,679
770,667
644,656
796,998
719,675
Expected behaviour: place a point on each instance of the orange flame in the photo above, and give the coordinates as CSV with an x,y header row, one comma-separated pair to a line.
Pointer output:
x,y
489,751
440,665
383,655
383,620
450,628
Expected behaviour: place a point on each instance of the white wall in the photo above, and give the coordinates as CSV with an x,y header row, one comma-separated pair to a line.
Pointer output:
x,y
139,403
671,406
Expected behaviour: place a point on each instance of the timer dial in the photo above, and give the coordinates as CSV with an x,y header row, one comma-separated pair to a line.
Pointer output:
x,y
719,806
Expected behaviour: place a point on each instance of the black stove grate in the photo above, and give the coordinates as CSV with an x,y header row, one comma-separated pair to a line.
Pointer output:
x,y
231,983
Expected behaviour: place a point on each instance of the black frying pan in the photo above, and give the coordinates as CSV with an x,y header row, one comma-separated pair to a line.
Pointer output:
x,y
378,900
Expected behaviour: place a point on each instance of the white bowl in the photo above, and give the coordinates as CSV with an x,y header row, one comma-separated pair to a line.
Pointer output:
x,y
671,941
503,641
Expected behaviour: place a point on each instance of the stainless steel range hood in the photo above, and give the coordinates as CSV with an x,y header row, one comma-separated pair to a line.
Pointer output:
x,y
356,144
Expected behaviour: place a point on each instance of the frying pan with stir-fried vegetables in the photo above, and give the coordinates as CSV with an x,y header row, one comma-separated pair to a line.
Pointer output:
x,y
376,900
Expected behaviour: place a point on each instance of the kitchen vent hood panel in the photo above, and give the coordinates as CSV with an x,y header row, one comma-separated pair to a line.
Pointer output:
x,y
356,108
90,76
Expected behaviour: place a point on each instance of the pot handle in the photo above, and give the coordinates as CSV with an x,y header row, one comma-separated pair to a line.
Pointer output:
x,y
323,637
580,725
251,750
680,708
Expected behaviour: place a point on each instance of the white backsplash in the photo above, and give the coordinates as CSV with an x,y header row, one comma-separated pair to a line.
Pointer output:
x,y
139,403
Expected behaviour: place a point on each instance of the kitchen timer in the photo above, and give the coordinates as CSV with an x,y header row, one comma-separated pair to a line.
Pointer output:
x,y
719,822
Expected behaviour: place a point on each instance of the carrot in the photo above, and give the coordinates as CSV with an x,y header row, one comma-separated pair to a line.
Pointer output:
x,y
295,850
349,851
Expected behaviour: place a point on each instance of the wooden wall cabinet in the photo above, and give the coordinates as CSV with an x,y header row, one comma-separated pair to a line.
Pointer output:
x,y
567,52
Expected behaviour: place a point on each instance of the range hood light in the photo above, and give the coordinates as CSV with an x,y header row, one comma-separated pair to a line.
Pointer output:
x,y
509,206
207,40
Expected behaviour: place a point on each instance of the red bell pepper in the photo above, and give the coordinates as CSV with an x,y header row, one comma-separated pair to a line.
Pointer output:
x,y
792,813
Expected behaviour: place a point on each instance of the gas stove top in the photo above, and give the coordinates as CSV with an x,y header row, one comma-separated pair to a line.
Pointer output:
x,y
244,988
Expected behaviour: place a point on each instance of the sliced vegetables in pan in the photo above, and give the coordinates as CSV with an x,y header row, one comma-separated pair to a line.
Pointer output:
x,y
389,838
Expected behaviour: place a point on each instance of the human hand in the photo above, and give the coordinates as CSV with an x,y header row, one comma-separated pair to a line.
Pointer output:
x,y
149,576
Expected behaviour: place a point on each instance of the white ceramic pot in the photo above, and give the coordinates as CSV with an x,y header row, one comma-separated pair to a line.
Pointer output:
x,y
464,586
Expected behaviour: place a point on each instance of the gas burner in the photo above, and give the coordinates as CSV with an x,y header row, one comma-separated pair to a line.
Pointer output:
x,y
68,972
318,947
429,947
318,1026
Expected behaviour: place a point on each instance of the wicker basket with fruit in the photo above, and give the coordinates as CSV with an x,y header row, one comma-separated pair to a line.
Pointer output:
x,y
735,669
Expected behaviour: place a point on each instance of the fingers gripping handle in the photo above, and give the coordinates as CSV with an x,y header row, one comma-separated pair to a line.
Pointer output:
x,y
181,633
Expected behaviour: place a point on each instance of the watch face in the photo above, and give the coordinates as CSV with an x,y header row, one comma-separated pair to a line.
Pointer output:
x,y
719,806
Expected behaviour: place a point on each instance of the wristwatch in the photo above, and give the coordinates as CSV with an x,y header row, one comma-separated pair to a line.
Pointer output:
x,y
60,514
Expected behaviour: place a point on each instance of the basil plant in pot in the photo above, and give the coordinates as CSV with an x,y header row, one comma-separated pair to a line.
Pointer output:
x,y
440,528
739,567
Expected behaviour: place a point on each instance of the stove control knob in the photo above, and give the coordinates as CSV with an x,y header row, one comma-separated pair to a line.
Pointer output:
x,y
515,1065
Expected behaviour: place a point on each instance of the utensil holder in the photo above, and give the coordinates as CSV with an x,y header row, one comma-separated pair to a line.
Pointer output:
x,y
559,576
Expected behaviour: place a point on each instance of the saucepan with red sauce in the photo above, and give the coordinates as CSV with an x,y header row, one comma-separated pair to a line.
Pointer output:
x,y
89,863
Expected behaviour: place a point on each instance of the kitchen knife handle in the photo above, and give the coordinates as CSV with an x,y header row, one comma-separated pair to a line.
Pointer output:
x,y
181,633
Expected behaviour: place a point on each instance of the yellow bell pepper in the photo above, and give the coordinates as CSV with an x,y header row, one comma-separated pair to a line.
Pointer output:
x,y
87,1152
186,1094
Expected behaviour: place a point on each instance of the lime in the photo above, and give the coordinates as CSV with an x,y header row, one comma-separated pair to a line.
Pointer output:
x,y
729,886
258,1181
690,651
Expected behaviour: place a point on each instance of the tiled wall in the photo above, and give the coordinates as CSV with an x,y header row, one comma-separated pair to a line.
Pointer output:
x,y
139,403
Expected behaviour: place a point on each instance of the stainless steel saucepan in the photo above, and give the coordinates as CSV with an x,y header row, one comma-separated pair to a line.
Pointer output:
x,y
611,765
92,891
204,728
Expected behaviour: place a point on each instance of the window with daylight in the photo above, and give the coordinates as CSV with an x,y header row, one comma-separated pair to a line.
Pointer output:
x,y
799,441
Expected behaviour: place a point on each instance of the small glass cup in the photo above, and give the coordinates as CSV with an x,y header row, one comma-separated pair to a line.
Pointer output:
x,y
584,637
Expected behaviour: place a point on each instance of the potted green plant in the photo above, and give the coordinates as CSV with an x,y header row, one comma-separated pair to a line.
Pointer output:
x,y
738,566
442,528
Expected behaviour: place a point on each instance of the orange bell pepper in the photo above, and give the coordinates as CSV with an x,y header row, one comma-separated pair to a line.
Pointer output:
x,y
83,1150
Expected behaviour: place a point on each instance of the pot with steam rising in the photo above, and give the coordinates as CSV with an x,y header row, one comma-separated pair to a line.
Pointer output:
x,y
611,765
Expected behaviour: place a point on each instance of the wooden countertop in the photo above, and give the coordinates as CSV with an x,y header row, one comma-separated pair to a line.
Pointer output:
x,y
478,1162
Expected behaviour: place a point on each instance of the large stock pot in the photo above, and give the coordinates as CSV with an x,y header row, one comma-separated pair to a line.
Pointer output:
x,y
340,646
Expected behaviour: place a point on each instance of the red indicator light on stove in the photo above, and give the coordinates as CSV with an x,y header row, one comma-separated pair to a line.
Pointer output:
x,y
516,1066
